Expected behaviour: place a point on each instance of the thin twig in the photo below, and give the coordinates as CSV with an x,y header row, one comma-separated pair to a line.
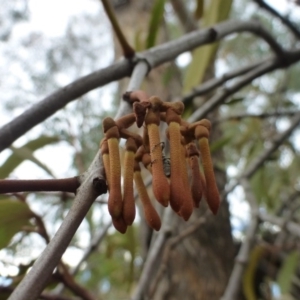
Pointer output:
x,y
238,117
284,20
38,185
259,160
88,251
60,98
219,98
213,83
287,202
128,52
44,296
68,280
98,238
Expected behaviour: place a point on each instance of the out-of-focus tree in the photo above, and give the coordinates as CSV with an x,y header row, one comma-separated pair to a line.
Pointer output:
x,y
242,76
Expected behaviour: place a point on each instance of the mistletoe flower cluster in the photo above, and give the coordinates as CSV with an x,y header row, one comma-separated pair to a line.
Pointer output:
x,y
189,178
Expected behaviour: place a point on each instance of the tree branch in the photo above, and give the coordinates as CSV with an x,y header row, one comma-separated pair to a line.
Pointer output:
x,y
213,83
69,281
284,20
258,161
277,141
60,98
186,19
44,296
98,238
170,50
88,251
259,116
37,185
219,97
153,57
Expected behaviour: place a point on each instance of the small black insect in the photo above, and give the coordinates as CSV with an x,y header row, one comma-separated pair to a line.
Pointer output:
x,y
166,161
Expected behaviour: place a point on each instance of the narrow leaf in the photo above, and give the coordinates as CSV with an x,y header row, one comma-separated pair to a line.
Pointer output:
x,y
287,272
199,9
13,216
250,272
15,159
220,143
217,11
155,20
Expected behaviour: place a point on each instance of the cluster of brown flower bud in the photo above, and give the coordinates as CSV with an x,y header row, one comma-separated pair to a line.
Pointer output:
x,y
191,171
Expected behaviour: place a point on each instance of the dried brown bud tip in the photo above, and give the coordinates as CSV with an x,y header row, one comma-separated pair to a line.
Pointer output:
x,y
140,110
134,96
119,224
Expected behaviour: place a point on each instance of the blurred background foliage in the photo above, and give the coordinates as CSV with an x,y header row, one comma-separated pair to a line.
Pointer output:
x,y
36,61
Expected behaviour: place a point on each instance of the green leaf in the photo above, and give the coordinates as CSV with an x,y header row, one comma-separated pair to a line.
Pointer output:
x,y
287,272
155,20
250,271
13,216
139,43
217,11
199,9
26,153
220,143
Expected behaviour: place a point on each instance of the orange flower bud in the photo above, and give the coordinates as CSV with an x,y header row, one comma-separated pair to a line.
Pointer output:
x,y
212,193
187,204
115,195
151,216
160,183
197,188
128,196
181,199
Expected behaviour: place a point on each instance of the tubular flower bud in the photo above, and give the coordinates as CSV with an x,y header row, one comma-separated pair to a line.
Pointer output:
x,y
196,184
170,174
160,183
187,204
115,195
177,187
105,157
128,197
212,193
151,216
